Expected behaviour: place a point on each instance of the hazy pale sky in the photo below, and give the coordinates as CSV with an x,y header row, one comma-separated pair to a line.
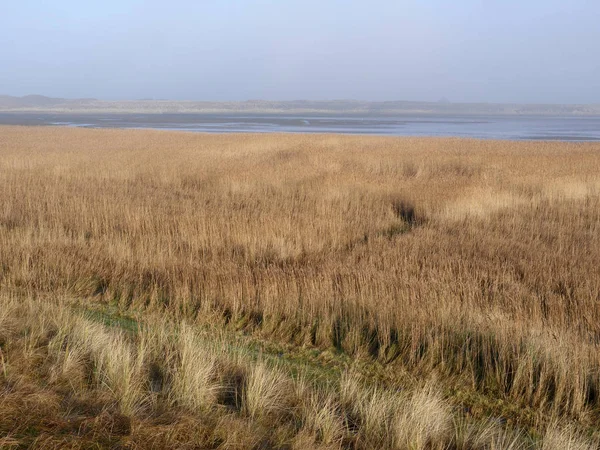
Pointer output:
x,y
526,51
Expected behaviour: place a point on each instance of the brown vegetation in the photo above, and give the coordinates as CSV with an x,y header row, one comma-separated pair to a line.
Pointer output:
x,y
176,290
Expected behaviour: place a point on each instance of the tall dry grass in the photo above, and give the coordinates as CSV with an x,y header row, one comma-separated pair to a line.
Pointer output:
x,y
478,261
115,393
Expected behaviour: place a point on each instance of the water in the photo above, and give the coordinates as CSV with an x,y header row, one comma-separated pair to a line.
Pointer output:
x,y
571,128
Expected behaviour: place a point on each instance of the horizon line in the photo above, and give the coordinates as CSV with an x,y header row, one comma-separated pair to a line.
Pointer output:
x,y
439,102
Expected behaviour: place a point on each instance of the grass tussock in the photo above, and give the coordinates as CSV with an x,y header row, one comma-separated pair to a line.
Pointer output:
x,y
398,293
52,399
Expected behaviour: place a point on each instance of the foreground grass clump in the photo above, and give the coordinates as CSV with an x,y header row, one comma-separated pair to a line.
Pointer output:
x,y
287,290
69,381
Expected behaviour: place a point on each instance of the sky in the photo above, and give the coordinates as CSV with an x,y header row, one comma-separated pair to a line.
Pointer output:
x,y
524,51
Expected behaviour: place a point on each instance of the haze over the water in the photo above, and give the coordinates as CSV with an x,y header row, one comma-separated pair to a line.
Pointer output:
x,y
534,51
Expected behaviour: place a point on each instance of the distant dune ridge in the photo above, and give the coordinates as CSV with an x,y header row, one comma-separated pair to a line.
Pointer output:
x,y
40,103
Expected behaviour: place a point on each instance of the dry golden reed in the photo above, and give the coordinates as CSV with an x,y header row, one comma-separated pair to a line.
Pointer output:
x,y
473,262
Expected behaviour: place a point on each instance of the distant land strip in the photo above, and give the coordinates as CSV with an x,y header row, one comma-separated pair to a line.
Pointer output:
x,y
40,103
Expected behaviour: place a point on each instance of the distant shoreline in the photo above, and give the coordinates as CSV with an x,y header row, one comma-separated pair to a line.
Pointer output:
x,y
299,113
41,104
489,127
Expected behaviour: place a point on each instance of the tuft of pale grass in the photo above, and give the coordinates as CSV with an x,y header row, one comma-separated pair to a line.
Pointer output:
x,y
267,393
419,419
565,438
117,362
322,418
371,410
504,439
119,369
69,365
423,420
375,409
487,434
195,385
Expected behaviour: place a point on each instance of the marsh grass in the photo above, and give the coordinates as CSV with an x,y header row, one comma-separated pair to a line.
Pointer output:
x,y
472,263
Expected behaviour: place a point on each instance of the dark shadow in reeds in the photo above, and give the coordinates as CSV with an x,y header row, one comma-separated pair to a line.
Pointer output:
x,y
407,212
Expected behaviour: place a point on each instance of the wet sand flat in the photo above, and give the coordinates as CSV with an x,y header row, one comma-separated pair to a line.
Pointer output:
x,y
562,128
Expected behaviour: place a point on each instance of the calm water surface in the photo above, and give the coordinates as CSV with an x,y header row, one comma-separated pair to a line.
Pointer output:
x,y
483,127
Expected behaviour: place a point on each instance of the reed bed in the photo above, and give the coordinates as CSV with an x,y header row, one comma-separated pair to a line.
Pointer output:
x,y
472,265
